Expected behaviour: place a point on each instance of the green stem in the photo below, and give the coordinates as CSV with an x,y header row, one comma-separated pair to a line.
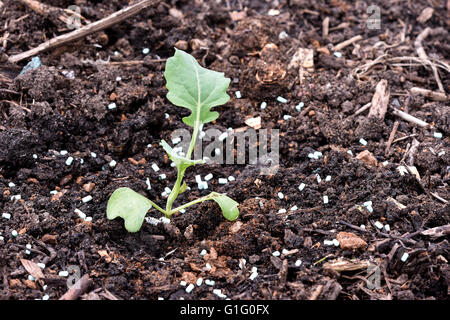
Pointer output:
x,y
202,199
158,207
176,188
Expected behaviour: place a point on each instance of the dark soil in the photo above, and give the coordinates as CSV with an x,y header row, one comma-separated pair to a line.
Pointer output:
x,y
43,112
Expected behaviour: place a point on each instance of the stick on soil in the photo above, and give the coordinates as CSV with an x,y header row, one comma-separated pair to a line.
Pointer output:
x,y
102,24
79,288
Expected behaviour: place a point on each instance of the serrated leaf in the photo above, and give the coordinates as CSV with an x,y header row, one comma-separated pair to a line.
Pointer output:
x,y
130,206
229,207
180,162
196,88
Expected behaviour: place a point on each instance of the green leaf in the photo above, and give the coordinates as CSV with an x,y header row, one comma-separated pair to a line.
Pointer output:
x,y
129,205
193,87
229,207
180,162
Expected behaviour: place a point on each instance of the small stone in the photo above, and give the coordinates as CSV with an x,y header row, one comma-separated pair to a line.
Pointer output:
x,y
350,241
368,158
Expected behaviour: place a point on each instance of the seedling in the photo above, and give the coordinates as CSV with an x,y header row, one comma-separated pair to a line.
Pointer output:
x,y
197,89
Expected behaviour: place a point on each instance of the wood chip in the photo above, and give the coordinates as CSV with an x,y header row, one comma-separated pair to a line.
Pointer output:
x,y
368,158
341,264
32,268
380,100
254,123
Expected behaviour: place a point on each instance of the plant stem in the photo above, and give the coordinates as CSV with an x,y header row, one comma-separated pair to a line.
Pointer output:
x,y
158,207
202,199
176,188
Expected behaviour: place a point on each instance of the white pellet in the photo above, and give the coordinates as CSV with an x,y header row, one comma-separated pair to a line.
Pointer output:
x,y
242,263
328,178
113,163
223,181
199,282
281,99
147,182
176,140
31,278
41,265
63,152
301,186
112,106
190,288
210,282
80,214
146,51
208,177
404,257
293,208
69,161
263,105
35,156
328,242
16,197
162,176
87,199
282,210
298,263
336,242
7,216
183,283
238,94
286,117
11,185
46,297
253,276
155,167
280,195
231,178
299,106
93,155
14,233
379,225
437,135
276,253
63,273
363,142
208,267
387,227
325,199
203,252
